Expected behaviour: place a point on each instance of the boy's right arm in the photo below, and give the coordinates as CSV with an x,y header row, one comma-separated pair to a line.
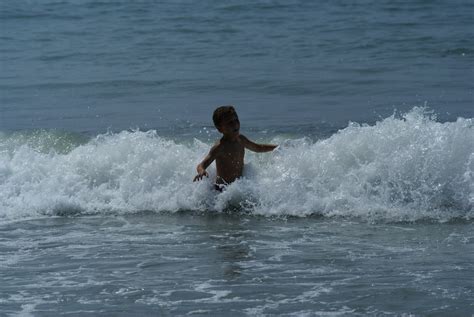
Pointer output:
x,y
201,168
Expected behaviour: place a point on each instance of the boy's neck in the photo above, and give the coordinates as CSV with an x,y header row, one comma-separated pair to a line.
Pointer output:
x,y
229,138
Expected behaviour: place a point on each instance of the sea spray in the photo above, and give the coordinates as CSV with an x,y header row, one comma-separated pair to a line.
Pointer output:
x,y
400,169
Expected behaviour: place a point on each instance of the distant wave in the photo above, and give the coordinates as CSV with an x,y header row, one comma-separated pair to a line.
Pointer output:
x,y
103,84
400,169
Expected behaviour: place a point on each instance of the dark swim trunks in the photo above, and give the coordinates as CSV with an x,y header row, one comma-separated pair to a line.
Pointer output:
x,y
219,187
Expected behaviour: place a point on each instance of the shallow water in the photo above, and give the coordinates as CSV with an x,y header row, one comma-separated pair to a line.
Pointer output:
x,y
234,264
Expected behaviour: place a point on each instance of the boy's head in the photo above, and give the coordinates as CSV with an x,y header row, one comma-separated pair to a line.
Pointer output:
x,y
226,120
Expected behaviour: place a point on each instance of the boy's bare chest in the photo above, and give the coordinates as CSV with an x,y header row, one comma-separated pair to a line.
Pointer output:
x,y
230,162
233,151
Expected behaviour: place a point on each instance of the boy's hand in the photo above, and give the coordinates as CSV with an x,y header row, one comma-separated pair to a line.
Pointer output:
x,y
201,168
200,175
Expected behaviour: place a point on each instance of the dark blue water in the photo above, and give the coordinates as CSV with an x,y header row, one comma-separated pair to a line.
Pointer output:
x,y
364,209
90,66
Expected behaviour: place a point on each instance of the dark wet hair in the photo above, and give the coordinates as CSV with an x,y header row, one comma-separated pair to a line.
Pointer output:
x,y
221,113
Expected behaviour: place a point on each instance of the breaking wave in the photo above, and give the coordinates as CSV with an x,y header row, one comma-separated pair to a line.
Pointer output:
x,y
403,168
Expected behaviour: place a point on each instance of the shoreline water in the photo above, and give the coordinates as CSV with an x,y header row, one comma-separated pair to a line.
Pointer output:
x,y
183,264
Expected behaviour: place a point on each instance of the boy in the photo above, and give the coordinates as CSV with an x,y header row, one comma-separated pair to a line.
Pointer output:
x,y
229,151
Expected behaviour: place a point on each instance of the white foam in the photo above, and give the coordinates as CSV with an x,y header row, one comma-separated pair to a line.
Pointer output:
x,y
405,168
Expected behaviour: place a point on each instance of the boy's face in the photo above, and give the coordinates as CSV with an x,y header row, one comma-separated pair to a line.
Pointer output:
x,y
230,126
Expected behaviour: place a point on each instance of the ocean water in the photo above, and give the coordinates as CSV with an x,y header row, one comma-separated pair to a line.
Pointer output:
x,y
366,207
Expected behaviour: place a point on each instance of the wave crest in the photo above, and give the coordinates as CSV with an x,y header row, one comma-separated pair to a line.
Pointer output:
x,y
400,169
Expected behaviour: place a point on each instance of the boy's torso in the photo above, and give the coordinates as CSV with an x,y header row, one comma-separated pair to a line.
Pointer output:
x,y
229,161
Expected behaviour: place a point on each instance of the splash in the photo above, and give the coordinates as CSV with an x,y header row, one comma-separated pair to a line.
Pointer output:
x,y
400,169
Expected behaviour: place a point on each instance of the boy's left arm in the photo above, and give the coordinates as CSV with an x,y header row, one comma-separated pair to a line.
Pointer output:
x,y
252,146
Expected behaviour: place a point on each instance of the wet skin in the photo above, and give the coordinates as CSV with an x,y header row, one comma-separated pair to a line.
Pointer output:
x,y
229,152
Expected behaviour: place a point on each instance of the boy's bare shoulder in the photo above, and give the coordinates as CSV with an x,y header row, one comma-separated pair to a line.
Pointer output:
x,y
216,148
243,139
